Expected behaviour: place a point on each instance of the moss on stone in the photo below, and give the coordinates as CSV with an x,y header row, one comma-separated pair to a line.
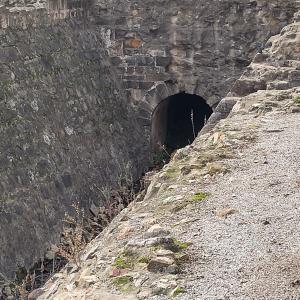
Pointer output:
x,y
180,245
156,248
177,245
200,196
178,291
172,172
197,197
181,257
296,100
124,283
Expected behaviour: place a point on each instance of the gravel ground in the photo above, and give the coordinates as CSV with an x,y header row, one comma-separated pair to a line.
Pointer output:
x,y
245,235
253,253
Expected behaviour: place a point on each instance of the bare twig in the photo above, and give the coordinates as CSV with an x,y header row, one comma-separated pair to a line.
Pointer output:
x,y
193,125
165,150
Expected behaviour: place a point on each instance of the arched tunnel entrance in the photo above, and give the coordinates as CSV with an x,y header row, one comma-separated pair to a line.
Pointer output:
x,y
177,120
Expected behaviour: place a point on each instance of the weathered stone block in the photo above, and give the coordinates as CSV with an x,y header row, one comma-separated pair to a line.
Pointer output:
x,y
244,86
278,85
139,70
145,85
144,61
133,43
121,21
116,60
162,264
131,60
163,61
156,74
120,33
133,77
128,84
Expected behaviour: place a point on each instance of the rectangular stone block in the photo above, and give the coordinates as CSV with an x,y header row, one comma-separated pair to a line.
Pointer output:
x,y
103,21
133,77
130,70
120,34
145,61
133,43
121,70
156,74
130,60
145,85
116,60
132,51
121,21
163,61
139,70
128,84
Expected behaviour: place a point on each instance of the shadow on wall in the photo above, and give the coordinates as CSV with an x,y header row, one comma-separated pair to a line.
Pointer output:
x,y
177,120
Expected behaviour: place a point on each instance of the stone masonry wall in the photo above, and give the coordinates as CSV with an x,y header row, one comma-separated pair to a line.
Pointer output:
x,y
67,130
197,46
22,15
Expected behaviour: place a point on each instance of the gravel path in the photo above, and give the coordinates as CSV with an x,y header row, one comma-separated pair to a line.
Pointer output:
x,y
253,253
245,235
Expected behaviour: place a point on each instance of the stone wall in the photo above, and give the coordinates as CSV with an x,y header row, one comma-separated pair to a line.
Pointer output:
x,y
197,46
67,130
67,126
20,15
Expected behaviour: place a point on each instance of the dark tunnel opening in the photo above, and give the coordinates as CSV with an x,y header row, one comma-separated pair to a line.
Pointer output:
x,y
177,121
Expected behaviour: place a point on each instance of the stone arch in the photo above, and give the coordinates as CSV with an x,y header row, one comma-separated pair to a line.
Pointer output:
x,y
155,95
161,91
156,110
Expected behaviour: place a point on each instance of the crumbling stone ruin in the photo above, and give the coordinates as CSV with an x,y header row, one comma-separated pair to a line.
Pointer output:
x,y
92,90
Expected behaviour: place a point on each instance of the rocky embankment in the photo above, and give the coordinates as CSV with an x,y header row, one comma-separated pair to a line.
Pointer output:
x,y
221,220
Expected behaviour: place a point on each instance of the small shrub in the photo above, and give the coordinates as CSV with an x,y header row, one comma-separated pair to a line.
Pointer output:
x,y
22,290
74,238
159,158
78,230
126,260
121,263
143,260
